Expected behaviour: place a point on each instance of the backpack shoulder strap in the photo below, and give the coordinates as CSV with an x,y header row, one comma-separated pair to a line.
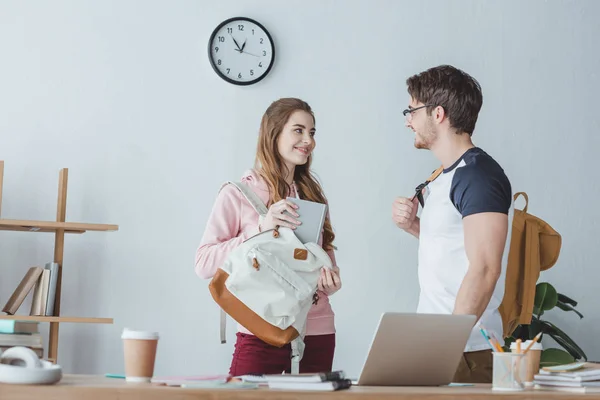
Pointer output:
x,y
516,196
419,189
435,174
252,198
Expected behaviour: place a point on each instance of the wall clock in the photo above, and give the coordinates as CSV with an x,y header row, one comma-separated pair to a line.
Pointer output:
x,y
241,51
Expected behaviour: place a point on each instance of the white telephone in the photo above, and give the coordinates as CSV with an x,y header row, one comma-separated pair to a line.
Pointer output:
x,y
22,366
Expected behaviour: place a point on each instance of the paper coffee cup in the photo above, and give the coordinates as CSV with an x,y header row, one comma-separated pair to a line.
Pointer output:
x,y
139,348
532,358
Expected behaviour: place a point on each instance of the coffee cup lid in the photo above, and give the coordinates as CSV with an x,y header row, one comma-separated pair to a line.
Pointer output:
x,y
525,344
140,335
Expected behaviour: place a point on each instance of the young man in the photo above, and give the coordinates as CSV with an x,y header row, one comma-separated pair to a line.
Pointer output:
x,y
464,227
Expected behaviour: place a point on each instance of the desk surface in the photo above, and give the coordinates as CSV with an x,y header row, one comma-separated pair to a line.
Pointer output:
x,y
96,387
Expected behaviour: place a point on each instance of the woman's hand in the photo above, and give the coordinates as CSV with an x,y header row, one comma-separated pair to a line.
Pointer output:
x,y
276,217
329,281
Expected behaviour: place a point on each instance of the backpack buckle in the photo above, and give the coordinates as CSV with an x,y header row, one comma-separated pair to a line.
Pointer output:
x,y
419,193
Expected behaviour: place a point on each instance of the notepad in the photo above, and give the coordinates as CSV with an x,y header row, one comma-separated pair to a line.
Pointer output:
x,y
579,367
312,217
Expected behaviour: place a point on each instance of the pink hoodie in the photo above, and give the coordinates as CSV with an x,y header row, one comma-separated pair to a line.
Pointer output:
x,y
232,221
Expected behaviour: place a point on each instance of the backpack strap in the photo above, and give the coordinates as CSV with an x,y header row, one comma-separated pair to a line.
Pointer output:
x,y
298,346
516,196
252,197
435,174
262,210
419,189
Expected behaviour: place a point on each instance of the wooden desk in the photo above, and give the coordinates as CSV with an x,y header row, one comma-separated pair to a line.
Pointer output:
x,y
94,388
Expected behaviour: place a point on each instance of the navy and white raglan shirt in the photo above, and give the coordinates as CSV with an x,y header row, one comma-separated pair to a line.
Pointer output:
x,y
475,183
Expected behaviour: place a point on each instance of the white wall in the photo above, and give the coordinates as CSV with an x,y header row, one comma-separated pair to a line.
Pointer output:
x,y
121,93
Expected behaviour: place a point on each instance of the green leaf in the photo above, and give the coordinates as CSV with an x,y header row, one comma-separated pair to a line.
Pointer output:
x,y
567,307
545,296
566,300
553,356
563,339
538,311
565,345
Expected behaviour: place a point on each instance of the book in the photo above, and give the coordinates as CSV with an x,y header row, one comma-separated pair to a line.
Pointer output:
x,y
587,370
219,385
306,377
53,268
595,383
312,217
312,386
260,379
189,379
25,340
40,294
327,381
567,389
25,286
14,326
581,376
565,368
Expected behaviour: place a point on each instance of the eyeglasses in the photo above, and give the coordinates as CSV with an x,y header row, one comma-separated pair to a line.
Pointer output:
x,y
409,111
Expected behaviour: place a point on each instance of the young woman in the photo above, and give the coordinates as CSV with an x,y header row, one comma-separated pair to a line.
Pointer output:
x,y
285,145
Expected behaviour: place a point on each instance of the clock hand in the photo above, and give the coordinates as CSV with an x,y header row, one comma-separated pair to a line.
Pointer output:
x,y
245,52
244,45
236,43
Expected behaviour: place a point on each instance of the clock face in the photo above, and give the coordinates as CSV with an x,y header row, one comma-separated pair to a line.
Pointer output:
x,y
241,51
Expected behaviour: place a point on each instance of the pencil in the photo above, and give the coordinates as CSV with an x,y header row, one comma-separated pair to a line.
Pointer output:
x,y
495,346
497,343
535,339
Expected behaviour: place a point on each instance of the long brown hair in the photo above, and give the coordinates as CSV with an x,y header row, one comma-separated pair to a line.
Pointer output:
x,y
272,168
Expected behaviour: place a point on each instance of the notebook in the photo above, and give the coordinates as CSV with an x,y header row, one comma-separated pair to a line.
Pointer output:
x,y
306,377
315,386
312,215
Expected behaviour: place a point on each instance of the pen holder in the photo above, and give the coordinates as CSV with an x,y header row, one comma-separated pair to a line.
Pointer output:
x,y
509,371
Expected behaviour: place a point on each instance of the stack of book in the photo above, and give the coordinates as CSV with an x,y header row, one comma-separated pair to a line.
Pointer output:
x,y
575,377
327,381
43,283
21,333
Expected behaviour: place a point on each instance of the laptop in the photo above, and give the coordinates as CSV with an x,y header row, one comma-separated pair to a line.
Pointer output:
x,y
415,349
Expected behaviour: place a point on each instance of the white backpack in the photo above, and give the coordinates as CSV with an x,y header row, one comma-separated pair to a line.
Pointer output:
x,y
268,284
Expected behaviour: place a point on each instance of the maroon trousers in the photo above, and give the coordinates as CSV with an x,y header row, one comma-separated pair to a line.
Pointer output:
x,y
252,356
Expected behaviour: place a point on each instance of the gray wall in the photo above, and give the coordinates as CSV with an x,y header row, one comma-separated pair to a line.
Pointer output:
x,y
121,93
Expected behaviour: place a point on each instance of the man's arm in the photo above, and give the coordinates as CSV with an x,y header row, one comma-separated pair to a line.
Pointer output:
x,y
485,238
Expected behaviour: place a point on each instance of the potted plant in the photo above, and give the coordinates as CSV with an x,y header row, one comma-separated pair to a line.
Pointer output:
x,y
547,298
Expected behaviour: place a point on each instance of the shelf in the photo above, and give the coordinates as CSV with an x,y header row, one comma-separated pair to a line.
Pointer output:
x,y
58,319
53,226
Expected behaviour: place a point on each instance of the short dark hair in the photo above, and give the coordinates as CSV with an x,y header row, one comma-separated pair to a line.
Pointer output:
x,y
455,90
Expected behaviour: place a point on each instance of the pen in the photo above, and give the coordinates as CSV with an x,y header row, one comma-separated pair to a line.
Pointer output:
x,y
492,341
497,343
489,340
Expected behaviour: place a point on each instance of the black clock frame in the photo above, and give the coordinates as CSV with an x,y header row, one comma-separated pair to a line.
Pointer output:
x,y
212,60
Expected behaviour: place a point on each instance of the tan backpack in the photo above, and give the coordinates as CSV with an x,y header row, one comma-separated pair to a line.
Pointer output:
x,y
534,247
